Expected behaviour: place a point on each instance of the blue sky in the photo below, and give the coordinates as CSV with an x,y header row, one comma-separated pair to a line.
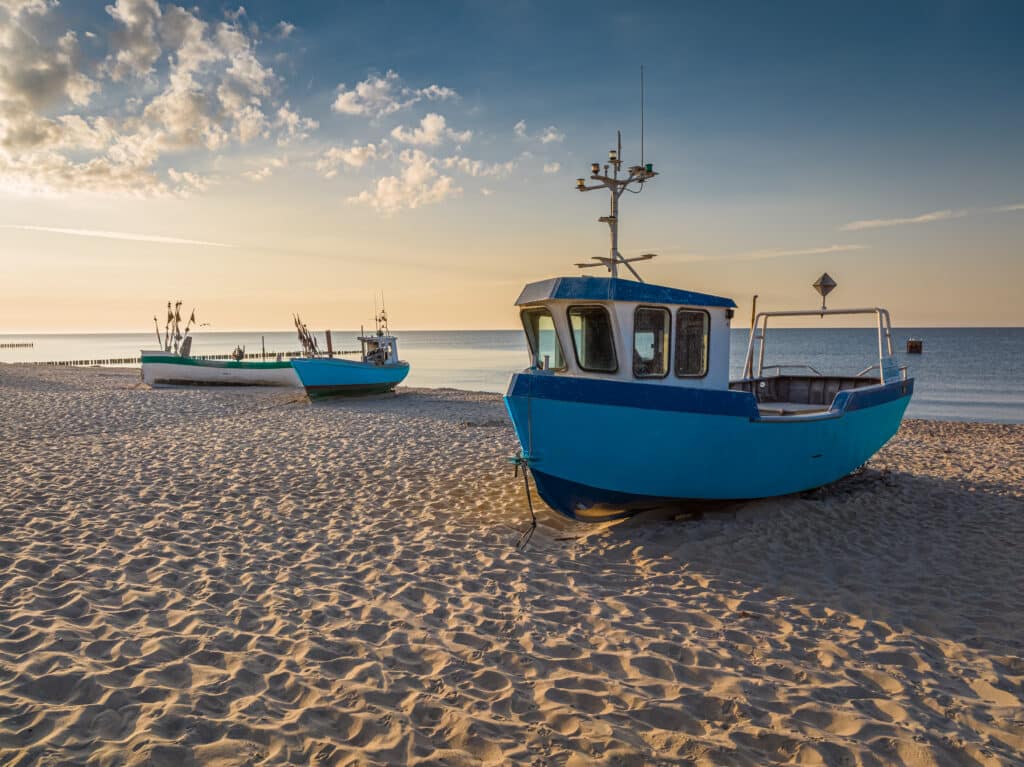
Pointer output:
x,y
418,145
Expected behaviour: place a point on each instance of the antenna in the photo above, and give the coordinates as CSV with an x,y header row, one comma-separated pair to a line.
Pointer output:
x,y
641,114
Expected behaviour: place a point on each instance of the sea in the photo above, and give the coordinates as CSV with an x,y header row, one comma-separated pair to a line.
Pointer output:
x,y
963,374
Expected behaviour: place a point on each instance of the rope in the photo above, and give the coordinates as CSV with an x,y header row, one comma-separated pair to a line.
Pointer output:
x,y
523,459
525,535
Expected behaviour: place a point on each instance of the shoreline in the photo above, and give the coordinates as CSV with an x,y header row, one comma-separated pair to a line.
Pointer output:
x,y
404,388
191,575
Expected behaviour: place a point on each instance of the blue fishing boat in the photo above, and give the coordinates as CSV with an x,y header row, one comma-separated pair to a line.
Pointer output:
x,y
628,404
378,369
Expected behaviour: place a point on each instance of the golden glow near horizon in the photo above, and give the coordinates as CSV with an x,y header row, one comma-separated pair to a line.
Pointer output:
x,y
250,264
249,260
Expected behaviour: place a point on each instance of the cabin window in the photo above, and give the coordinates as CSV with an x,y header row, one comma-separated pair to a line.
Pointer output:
x,y
692,329
543,338
652,329
592,339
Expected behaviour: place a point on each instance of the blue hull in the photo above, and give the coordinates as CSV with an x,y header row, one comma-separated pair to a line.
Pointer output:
x,y
600,448
323,377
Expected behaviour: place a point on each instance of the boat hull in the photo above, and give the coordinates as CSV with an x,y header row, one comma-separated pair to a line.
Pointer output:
x,y
323,377
599,449
163,369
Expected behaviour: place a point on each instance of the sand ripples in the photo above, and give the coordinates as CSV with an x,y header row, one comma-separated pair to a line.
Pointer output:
x,y
192,577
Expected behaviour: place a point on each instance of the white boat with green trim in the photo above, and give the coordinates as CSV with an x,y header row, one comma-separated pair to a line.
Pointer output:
x,y
171,369
173,364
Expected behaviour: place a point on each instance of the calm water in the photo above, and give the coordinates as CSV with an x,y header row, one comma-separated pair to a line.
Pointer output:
x,y
974,374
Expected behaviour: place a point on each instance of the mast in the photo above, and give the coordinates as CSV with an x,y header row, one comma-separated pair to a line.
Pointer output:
x,y
637,174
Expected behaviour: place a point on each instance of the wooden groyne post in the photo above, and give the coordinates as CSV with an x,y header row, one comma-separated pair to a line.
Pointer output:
x,y
138,360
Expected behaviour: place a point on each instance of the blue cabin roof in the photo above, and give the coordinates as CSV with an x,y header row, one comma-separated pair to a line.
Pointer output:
x,y
613,289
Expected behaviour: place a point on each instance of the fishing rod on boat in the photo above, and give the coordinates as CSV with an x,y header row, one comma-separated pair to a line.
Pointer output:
x,y
306,338
167,328
177,325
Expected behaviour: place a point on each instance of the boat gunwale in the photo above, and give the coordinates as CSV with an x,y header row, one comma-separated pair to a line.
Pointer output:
x,y
723,402
220,364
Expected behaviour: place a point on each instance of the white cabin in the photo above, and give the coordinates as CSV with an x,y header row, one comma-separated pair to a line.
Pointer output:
x,y
615,329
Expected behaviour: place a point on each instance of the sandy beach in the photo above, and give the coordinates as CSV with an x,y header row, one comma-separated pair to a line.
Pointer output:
x,y
239,577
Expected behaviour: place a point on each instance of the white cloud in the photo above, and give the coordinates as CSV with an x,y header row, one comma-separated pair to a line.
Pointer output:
x,y
757,255
188,182
262,174
185,85
134,41
377,96
355,156
50,173
266,171
1009,208
924,218
552,167
679,254
295,127
432,131
479,168
35,75
284,29
419,184
15,7
437,93
486,192
551,134
108,235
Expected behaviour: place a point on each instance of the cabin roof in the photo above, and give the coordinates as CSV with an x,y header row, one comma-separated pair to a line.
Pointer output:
x,y
614,289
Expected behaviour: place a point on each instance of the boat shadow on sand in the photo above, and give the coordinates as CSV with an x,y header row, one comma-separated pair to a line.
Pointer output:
x,y
938,557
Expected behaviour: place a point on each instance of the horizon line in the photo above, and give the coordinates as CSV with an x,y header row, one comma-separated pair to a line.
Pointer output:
x,y
5,333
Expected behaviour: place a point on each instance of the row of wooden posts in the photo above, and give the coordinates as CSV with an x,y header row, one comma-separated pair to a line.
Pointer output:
x,y
137,360
18,345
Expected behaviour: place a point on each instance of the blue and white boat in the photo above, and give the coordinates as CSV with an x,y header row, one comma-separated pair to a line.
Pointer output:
x,y
628,405
378,370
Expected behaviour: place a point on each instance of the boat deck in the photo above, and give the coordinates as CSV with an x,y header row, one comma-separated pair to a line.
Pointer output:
x,y
799,395
789,408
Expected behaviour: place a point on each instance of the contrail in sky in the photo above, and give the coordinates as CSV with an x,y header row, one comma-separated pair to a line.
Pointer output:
x,y
107,235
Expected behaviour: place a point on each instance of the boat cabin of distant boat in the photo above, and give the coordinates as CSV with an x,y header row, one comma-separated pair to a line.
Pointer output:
x,y
627,403
174,365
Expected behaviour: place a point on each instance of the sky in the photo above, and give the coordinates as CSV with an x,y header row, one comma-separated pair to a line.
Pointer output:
x,y
275,157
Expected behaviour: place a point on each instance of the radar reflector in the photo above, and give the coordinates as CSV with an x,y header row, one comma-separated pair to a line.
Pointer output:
x,y
824,285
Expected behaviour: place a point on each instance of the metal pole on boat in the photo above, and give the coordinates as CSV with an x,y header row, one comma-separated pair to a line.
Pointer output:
x,y
753,310
263,346
330,345
638,174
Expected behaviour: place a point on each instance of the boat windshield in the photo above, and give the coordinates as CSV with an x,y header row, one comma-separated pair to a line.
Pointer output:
x,y
545,347
592,339
652,327
692,343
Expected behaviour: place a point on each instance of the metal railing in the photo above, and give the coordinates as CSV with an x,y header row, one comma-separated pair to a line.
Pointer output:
x,y
869,368
759,330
